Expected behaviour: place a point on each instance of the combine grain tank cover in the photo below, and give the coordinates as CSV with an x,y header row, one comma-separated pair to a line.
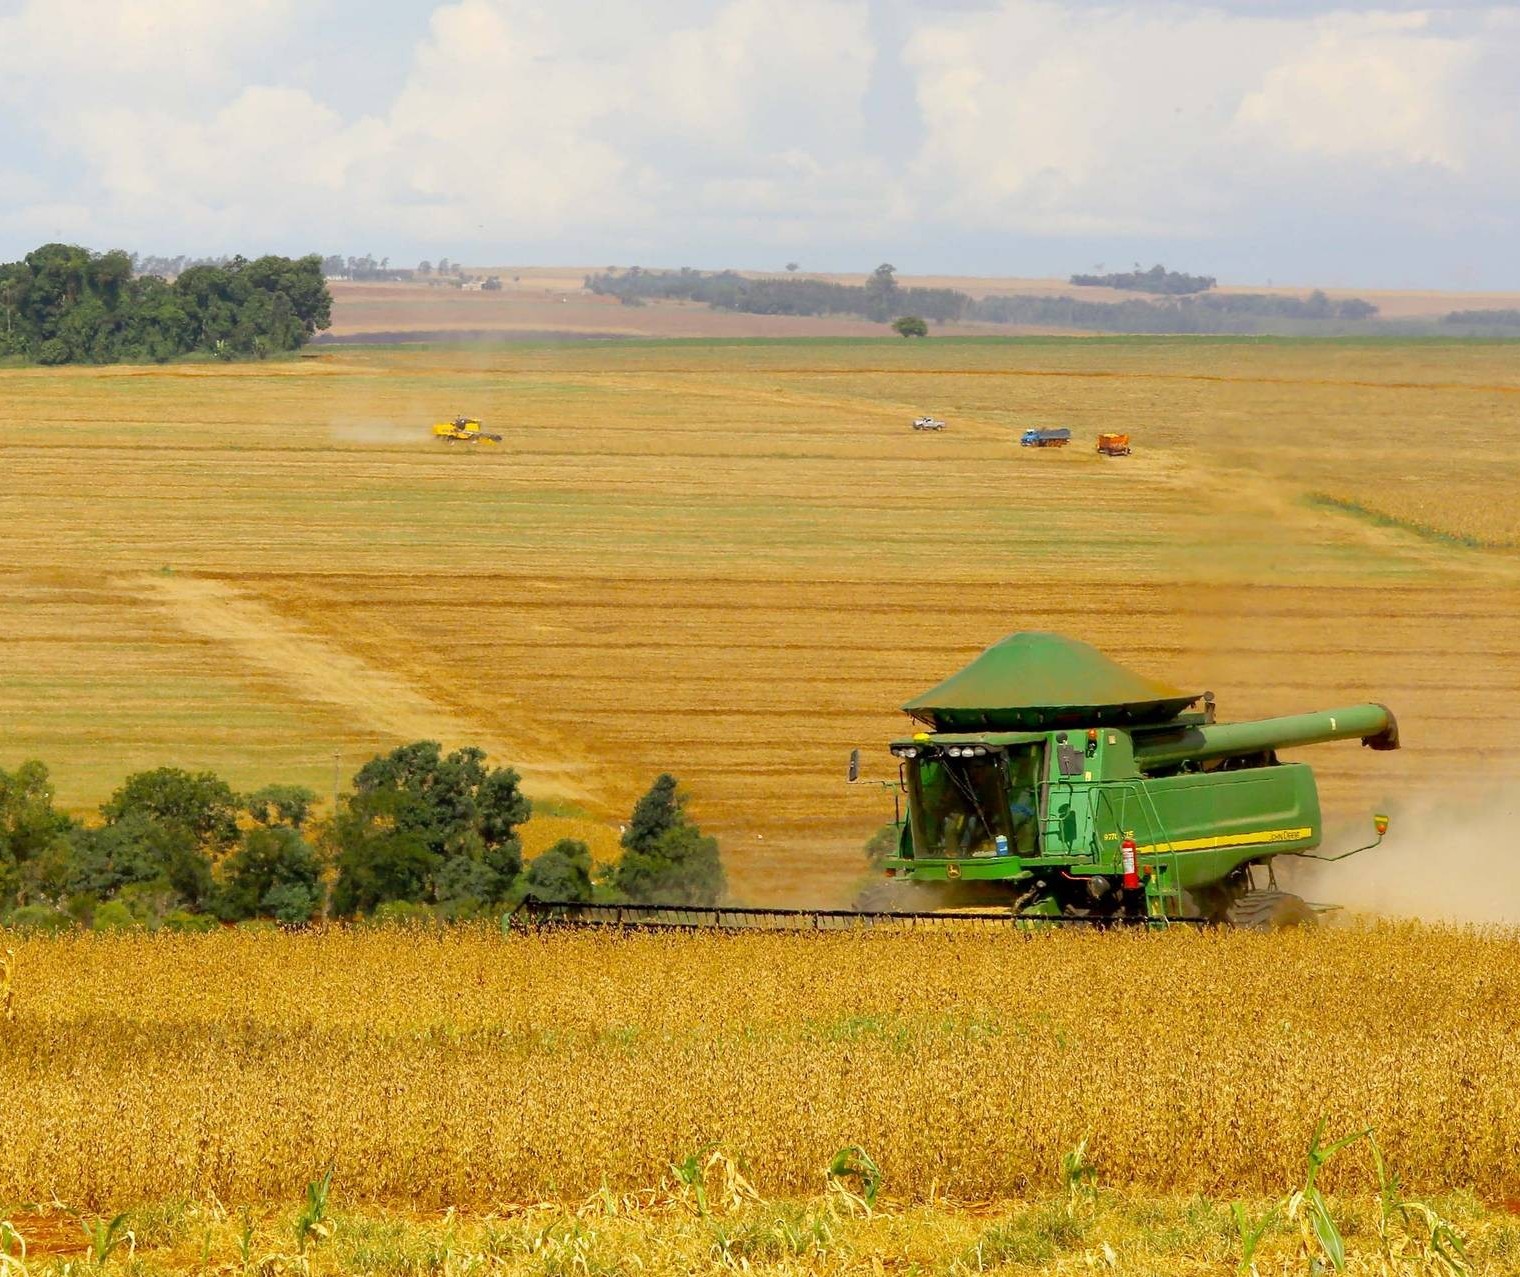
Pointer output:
x,y
1030,681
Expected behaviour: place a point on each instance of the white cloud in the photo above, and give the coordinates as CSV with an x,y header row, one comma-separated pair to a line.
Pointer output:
x,y
754,124
1161,119
512,123
52,51
1378,88
763,71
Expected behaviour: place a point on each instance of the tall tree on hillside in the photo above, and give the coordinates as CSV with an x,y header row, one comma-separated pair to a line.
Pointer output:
x,y
882,293
666,858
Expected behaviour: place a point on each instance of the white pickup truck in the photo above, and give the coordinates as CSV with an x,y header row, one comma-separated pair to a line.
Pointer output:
x,y
928,423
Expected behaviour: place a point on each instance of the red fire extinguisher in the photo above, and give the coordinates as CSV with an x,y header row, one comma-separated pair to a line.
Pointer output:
x,y
1129,858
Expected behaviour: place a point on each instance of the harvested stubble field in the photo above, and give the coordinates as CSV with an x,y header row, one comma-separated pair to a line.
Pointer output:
x,y
733,560
466,1069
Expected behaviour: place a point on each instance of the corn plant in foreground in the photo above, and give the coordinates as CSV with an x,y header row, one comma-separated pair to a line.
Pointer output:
x,y
311,1223
1412,1237
12,1251
854,1178
1079,1177
105,1236
696,1173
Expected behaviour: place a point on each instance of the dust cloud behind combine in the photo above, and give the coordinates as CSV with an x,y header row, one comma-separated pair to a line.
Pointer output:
x,y
377,432
1451,859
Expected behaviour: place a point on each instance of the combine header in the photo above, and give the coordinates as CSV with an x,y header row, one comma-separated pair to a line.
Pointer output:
x,y
1051,785
540,913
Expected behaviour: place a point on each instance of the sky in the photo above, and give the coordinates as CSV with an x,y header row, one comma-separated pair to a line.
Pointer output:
x,y
1283,141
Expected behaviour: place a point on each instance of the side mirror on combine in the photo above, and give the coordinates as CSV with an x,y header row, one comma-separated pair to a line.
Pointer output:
x,y
854,765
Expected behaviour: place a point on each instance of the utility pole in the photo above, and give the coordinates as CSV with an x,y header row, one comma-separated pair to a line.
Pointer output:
x,y
336,765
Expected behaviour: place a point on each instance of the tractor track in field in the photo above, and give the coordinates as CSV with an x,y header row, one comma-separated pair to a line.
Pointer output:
x,y
374,699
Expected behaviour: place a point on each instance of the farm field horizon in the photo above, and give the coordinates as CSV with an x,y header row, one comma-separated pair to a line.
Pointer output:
x,y
733,561
550,302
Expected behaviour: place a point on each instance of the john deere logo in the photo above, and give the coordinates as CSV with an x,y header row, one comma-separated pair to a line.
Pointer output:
x,y
952,871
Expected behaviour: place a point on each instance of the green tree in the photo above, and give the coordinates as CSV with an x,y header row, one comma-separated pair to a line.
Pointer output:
x,y
281,805
563,872
660,810
163,830
201,803
666,858
136,850
449,822
12,289
464,885
64,304
115,916
31,834
376,865
883,843
43,918
910,326
682,867
882,292
273,873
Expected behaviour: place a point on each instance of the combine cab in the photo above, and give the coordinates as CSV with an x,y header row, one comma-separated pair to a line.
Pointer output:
x,y
1110,445
463,430
1053,781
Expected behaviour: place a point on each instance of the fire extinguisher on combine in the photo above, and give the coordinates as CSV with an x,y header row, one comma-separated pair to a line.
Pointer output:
x,y
1129,860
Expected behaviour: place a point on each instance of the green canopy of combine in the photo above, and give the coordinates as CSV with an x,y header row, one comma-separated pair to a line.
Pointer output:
x,y
1030,680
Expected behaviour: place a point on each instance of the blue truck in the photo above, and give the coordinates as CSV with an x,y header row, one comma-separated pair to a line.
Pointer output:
x,y
1045,438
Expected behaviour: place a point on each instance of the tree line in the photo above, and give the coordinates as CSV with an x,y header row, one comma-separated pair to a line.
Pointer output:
x,y
420,834
1156,280
64,304
1210,313
881,298
1495,319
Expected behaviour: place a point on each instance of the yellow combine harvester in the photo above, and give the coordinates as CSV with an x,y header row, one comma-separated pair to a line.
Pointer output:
x,y
463,430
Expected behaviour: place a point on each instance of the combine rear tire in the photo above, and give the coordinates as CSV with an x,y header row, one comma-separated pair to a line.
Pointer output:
x,y
1269,911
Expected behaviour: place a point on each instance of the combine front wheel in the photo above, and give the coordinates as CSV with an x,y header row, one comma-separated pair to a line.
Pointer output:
x,y
1269,911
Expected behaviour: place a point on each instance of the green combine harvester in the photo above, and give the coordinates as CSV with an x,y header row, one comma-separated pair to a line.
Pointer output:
x,y
1057,783
1051,785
